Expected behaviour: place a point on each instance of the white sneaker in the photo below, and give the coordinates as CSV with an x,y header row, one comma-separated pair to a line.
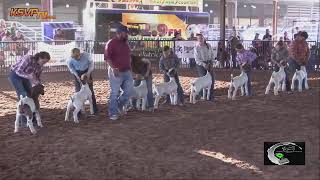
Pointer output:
x,y
114,117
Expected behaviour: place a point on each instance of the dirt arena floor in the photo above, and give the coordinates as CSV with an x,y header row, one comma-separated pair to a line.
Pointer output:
x,y
209,140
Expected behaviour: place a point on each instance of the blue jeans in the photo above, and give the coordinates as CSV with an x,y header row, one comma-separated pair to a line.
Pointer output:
x,y
150,94
123,81
22,87
202,72
180,92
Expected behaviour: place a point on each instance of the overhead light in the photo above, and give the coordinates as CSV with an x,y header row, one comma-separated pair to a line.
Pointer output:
x,y
67,5
278,7
156,8
244,6
206,5
27,4
211,11
253,6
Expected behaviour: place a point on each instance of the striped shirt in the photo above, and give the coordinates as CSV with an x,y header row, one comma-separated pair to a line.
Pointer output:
x,y
28,69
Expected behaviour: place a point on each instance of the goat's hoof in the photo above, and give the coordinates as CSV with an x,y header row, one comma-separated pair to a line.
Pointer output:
x,y
233,98
40,125
34,132
66,119
15,131
77,122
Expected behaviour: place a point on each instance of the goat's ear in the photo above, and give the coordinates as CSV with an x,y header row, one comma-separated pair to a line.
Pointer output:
x,y
21,97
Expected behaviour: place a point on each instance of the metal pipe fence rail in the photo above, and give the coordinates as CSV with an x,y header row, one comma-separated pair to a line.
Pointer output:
x,y
60,51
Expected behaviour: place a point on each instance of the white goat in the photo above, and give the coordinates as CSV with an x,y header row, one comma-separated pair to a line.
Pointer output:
x,y
279,80
166,88
78,99
140,94
236,82
202,83
26,107
300,75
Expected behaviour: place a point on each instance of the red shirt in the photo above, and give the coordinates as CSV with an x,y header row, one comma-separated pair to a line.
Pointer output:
x,y
118,52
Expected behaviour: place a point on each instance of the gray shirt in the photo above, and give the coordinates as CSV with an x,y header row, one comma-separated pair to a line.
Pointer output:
x,y
203,54
167,63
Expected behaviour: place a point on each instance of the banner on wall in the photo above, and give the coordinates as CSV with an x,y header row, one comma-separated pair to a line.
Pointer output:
x,y
154,25
185,49
59,53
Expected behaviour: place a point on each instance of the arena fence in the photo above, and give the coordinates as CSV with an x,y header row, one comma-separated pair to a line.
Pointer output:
x,y
10,52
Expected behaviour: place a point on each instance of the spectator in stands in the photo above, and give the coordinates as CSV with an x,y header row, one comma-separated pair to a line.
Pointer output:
x,y
267,45
222,55
299,53
256,43
245,59
19,47
79,64
286,38
27,72
7,37
279,57
3,24
59,36
204,57
232,43
117,55
169,60
2,33
13,29
177,37
141,69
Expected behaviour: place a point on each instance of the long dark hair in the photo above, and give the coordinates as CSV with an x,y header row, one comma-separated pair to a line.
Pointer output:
x,y
136,64
205,42
42,55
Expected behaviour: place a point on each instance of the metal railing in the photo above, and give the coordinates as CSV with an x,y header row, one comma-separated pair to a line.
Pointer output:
x,y
10,52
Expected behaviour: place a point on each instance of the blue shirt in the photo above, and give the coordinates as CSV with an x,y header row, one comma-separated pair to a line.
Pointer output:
x,y
84,63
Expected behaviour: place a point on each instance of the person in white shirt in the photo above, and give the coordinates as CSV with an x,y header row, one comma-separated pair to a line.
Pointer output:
x,y
204,56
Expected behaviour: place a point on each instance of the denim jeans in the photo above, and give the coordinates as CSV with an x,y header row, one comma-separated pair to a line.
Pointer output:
x,y
180,92
22,87
202,72
150,93
123,81
293,65
78,87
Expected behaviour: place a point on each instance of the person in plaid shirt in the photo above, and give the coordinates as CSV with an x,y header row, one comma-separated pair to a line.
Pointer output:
x,y
26,72
245,59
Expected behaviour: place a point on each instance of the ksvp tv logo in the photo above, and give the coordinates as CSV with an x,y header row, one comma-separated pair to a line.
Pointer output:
x,y
30,12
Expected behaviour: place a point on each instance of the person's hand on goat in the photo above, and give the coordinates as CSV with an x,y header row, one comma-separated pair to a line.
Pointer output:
x,y
116,72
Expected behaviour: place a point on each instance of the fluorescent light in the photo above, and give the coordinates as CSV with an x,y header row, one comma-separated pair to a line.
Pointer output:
x,y
244,6
155,8
253,6
278,7
211,11
67,5
27,4
206,5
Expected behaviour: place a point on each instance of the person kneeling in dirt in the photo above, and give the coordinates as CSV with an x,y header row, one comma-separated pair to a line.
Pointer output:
x,y
279,57
141,69
245,59
169,60
79,64
26,73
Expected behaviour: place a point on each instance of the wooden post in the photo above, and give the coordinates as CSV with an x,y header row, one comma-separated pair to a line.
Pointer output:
x,y
275,19
222,21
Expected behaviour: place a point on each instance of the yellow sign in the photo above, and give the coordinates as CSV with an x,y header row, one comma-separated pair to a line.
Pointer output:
x,y
18,12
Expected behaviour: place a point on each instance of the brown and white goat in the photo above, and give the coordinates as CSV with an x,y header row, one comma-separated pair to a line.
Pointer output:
x,y
28,106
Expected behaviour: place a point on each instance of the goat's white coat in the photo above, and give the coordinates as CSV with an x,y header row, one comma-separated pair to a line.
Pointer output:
x,y
300,75
236,82
202,83
166,88
77,101
30,103
278,79
140,94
